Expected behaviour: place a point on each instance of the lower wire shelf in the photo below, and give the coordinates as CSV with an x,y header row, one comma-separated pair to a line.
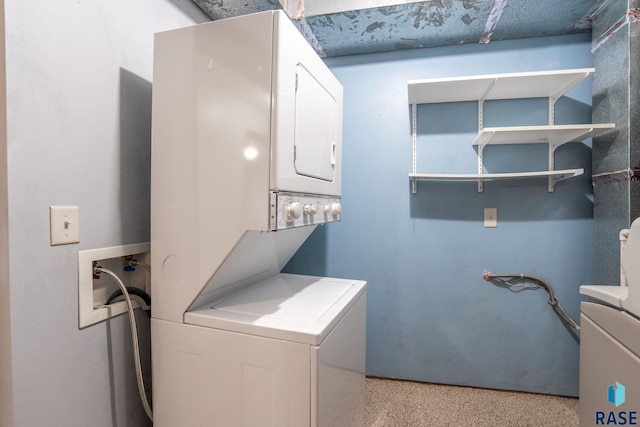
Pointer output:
x,y
553,175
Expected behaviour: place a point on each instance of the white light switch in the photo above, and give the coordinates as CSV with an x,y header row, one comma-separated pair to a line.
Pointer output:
x,y
490,217
65,224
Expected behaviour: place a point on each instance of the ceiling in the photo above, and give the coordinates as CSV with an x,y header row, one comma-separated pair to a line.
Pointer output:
x,y
348,27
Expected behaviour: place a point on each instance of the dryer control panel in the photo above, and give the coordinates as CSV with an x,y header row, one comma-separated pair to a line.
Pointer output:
x,y
295,210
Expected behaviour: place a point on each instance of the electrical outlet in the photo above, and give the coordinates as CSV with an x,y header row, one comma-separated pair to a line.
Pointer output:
x,y
490,217
64,222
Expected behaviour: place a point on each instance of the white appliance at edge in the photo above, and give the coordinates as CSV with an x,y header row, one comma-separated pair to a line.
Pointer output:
x,y
246,162
610,342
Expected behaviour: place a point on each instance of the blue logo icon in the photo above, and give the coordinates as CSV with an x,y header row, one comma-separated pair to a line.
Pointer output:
x,y
616,394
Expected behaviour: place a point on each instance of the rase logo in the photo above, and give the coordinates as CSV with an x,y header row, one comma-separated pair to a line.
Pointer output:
x,y
616,396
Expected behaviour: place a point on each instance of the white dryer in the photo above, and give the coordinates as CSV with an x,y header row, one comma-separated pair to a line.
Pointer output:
x,y
610,343
246,162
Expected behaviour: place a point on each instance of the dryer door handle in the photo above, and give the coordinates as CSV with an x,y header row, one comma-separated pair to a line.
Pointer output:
x,y
333,154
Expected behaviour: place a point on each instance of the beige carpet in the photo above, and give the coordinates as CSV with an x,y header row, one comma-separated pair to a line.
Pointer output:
x,y
408,403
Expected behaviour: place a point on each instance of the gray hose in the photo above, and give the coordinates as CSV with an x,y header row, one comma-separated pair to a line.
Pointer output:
x,y
134,338
538,283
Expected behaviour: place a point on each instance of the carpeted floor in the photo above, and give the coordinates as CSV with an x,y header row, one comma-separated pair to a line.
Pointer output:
x,y
393,403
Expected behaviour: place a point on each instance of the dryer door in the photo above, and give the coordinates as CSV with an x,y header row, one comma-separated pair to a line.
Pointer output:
x,y
306,131
316,115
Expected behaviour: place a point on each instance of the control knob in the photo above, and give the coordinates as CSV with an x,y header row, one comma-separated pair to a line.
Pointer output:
x,y
309,209
333,208
294,210
336,208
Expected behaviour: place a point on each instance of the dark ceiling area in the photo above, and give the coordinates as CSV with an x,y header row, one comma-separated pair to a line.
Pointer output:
x,y
384,25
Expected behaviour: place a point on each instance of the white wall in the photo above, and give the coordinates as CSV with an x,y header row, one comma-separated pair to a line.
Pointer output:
x,y
78,132
5,320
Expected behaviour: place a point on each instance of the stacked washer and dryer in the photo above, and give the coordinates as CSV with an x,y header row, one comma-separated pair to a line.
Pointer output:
x,y
246,163
610,343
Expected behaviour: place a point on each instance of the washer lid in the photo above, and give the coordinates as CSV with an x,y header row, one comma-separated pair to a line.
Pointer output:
x,y
612,295
286,306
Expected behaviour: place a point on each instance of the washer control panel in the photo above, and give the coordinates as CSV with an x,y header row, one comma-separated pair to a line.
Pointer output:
x,y
294,210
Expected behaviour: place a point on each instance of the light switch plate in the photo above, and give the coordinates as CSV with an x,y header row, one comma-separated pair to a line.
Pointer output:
x,y
490,217
64,224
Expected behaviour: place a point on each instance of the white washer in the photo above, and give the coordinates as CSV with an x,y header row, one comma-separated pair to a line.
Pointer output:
x,y
288,351
246,162
610,344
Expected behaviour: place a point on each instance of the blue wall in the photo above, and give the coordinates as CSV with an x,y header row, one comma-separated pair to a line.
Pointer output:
x,y
431,316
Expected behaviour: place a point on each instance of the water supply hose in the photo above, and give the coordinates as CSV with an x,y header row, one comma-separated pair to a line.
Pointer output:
x,y
537,283
134,338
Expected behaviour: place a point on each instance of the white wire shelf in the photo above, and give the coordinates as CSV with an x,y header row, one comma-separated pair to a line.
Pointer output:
x,y
547,134
538,84
557,174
